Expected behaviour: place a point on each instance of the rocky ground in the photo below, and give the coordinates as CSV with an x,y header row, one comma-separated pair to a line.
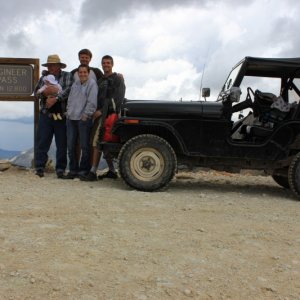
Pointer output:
x,y
210,235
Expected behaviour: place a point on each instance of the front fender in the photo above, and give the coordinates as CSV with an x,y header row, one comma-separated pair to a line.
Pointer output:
x,y
127,128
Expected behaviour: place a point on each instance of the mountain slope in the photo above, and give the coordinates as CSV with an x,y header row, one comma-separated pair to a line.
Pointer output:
x,y
7,154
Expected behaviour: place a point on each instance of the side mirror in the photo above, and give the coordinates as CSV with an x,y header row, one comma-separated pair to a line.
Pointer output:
x,y
205,92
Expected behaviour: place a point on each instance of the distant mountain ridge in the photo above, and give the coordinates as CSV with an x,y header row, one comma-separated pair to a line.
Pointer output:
x,y
7,154
25,120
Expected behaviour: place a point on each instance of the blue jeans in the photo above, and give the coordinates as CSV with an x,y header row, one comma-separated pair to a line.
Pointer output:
x,y
47,128
82,130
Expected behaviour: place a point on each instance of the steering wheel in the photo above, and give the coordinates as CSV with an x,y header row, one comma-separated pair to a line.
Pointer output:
x,y
248,97
249,92
247,103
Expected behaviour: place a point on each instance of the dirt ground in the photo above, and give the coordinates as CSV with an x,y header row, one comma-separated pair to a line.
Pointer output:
x,y
207,236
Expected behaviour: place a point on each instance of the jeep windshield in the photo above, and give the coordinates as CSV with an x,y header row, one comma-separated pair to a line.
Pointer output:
x,y
282,69
230,81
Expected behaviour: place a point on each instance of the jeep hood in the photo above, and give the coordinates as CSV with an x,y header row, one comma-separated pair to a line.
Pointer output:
x,y
172,109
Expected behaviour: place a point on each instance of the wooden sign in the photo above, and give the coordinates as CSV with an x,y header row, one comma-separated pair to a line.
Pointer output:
x,y
16,80
18,77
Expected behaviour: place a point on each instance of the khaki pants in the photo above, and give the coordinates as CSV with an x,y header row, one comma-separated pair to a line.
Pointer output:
x,y
95,132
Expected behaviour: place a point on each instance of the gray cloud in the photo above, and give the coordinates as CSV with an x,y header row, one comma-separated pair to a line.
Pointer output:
x,y
17,11
284,35
18,41
95,13
15,14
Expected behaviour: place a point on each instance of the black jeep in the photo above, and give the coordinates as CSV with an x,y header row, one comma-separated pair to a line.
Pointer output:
x,y
262,132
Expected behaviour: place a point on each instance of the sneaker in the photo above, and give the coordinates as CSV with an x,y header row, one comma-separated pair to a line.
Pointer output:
x,y
110,174
39,173
89,177
70,176
60,175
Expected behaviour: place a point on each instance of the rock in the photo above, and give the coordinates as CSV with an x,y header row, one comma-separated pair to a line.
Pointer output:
x,y
4,165
188,292
270,289
275,257
14,273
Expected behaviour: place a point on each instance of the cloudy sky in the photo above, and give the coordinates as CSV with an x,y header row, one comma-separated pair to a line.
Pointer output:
x,y
160,46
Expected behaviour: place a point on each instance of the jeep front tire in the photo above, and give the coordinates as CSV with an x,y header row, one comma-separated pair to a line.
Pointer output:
x,y
147,162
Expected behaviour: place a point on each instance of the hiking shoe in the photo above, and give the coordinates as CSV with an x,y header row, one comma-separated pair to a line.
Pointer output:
x,y
39,173
89,177
110,174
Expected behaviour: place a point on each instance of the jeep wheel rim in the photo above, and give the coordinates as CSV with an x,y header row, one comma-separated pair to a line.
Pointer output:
x,y
147,164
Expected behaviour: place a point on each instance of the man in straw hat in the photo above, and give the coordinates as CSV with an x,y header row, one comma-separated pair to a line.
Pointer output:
x,y
48,126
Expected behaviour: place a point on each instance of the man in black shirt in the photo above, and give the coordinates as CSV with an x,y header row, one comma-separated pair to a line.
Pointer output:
x,y
110,97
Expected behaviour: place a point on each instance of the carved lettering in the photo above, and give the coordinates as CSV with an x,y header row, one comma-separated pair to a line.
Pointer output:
x,y
16,79
12,72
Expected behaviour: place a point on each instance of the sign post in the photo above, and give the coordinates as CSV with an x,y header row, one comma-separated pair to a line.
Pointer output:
x,y
18,77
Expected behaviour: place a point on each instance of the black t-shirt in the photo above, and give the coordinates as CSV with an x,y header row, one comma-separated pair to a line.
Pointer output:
x,y
111,87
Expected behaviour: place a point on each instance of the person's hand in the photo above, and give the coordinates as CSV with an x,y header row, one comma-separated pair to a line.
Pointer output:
x,y
50,90
51,100
97,114
120,75
84,118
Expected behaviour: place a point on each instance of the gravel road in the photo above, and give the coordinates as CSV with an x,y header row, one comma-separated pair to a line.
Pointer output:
x,y
209,235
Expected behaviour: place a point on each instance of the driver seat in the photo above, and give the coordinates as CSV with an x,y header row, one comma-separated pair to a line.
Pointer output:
x,y
255,131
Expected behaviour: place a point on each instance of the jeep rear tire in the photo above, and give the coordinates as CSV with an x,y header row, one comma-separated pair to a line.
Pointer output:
x,y
294,175
147,163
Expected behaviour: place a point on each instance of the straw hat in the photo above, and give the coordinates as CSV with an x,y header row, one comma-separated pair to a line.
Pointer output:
x,y
54,59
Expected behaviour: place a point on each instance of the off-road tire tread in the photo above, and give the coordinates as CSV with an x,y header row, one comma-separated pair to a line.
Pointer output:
x,y
294,186
146,186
